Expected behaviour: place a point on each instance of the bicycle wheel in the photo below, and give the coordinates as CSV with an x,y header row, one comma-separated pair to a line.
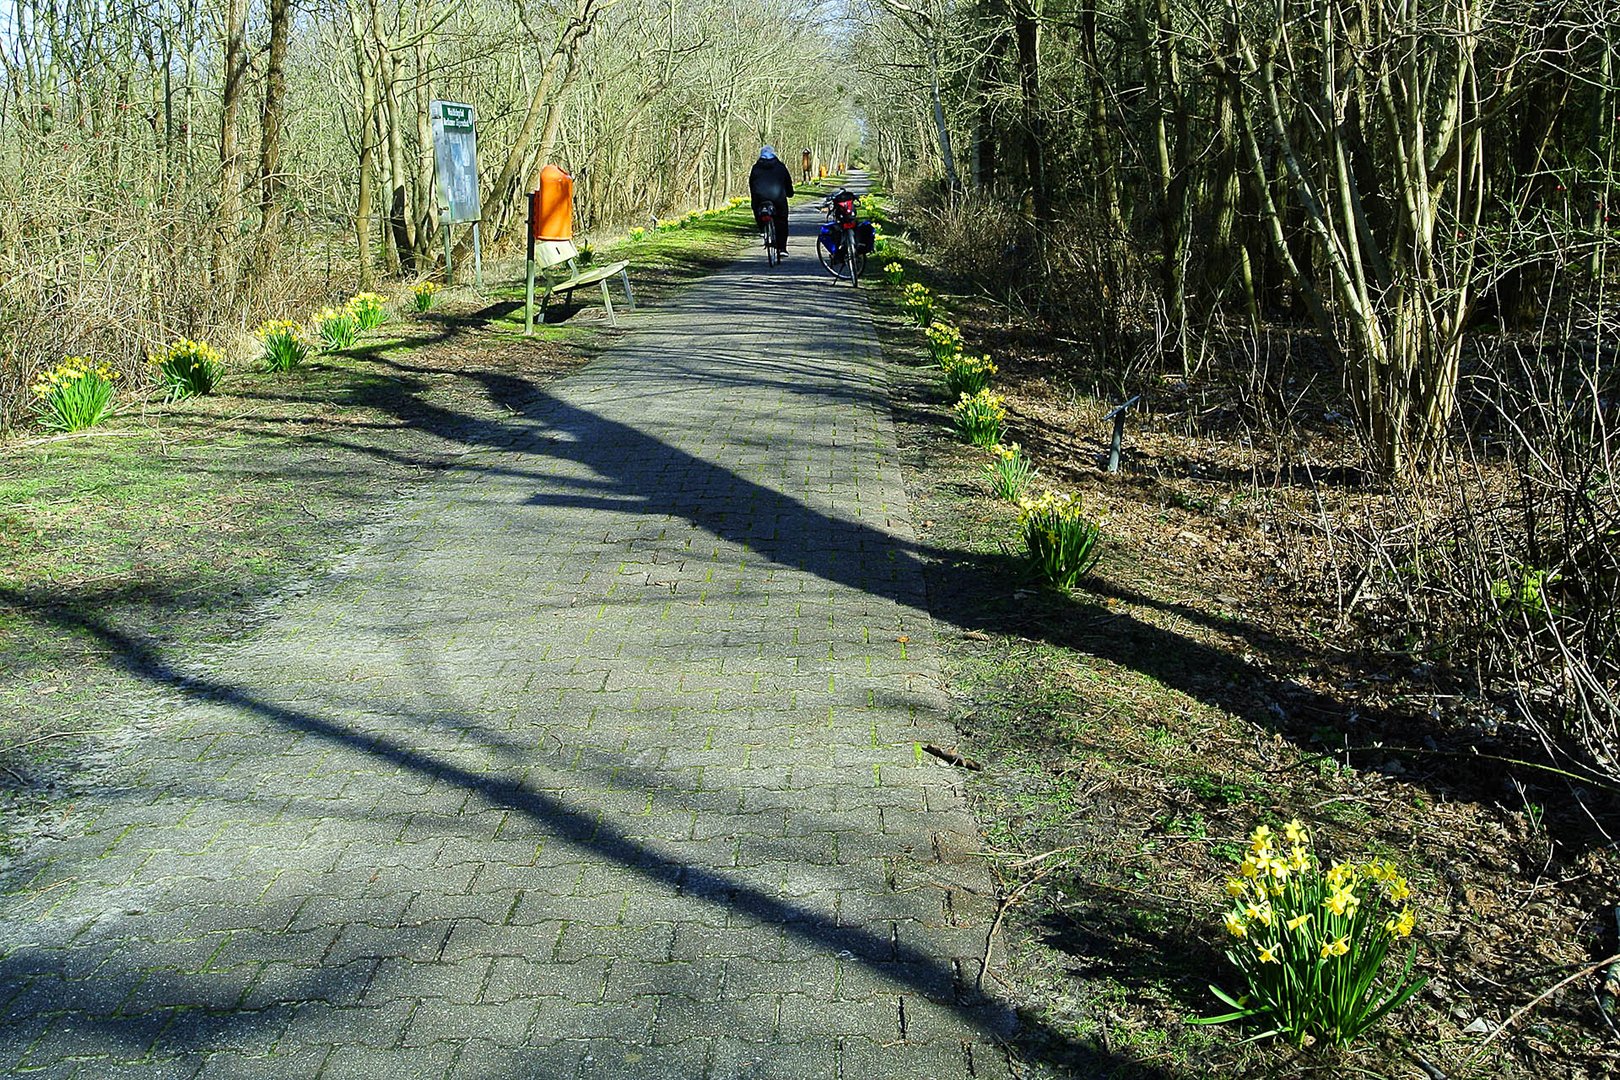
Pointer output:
x,y
857,261
832,258
767,231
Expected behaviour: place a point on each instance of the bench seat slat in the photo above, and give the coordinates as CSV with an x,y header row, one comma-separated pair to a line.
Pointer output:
x,y
587,277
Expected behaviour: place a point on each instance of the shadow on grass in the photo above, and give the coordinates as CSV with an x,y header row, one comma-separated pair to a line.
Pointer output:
x,y
1143,944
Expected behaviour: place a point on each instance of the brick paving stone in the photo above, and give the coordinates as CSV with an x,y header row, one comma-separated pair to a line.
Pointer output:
x,y
187,1068
594,759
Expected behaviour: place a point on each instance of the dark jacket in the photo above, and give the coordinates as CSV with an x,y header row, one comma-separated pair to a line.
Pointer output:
x,y
770,181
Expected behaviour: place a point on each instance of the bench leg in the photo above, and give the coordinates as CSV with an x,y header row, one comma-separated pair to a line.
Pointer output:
x,y
607,302
629,297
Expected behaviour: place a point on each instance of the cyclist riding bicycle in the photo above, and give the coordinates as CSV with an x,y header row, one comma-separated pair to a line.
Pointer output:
x,y
771,184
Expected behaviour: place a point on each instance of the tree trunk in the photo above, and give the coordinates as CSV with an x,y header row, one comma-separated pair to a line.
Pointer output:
x,y
1102,150
1026,34
1229,254
427,204
275,92
942,129
364,132
1164,76
228,218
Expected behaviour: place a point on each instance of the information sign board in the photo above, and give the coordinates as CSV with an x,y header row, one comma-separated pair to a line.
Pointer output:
x,y
455,159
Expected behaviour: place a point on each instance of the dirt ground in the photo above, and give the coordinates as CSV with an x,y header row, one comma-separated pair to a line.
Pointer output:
x,y
1201,682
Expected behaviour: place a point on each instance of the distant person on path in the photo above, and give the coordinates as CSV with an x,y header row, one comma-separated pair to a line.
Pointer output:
x,y
770,184
804,161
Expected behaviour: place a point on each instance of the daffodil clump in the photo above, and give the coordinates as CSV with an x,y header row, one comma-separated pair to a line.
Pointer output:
x,y
75,394
285,346
189,368
1010,471
637,232
336,328
1062,542
1311,944
944,341
966,374
981,417
423,293
894,272
370,310
919,301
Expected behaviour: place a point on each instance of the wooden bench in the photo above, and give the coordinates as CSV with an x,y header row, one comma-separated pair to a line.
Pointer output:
x,y
561,273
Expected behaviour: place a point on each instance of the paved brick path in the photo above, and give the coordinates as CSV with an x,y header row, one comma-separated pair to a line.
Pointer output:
x,y
599,761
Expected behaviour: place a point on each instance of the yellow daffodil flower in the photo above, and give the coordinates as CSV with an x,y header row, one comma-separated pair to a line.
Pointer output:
x,y
1342,902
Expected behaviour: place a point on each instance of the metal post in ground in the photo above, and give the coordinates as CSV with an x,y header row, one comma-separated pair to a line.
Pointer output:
x,y
528,293
1117,415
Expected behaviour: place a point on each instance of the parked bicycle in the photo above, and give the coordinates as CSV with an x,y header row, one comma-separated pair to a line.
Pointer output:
x,y
845,240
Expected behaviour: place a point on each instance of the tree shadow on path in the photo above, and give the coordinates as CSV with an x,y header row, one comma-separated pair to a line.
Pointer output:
x,y
194,1025
967,590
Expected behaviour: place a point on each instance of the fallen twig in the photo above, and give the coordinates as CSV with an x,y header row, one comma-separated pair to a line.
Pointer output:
x,y
99,433
1185,901
44,738
1043,856
1001,914
952,757
1428,1066
1537,1000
